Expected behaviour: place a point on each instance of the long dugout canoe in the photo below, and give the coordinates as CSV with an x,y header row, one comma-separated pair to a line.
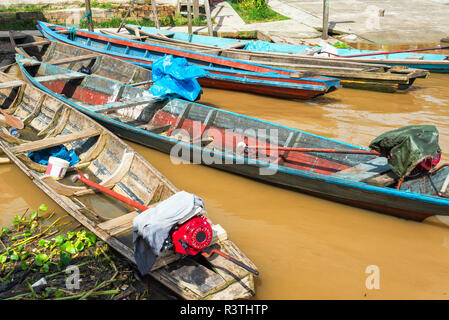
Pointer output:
x,y
213,137
229,74
352,74
113,164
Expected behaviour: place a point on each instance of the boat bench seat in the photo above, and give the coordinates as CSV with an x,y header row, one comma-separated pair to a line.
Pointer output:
x,y
376,171
155,128
112,106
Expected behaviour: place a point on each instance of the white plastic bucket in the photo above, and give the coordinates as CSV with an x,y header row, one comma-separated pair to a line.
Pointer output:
x,y
57,167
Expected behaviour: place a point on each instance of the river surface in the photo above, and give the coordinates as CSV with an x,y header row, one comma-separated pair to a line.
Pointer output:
x,y
306,247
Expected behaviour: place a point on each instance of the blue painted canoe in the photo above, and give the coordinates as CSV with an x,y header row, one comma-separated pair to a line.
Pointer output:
x,y
427,61
214,137
229,74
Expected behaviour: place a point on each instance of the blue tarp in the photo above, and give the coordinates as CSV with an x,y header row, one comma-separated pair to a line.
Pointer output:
x,y
175,76
258,45
42,156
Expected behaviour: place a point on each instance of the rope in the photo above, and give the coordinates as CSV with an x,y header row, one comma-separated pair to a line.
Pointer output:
x,y
72,33
87,16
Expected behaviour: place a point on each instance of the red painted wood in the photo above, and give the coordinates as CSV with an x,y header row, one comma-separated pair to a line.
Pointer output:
x,y
297,160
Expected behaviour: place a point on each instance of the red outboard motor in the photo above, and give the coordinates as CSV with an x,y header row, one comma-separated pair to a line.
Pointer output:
x,y
192,234
189,236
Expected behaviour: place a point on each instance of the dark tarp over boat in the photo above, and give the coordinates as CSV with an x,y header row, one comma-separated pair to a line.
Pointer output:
x,y
409,146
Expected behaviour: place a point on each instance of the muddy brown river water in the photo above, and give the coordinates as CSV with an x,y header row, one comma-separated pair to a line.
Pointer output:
x,y
306,247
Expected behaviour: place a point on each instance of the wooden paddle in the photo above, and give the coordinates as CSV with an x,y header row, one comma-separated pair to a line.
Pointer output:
x,y
354,151
389,52
12,121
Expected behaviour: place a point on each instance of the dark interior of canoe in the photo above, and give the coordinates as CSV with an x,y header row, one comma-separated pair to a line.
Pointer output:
x,y
135,107
111,163
76,59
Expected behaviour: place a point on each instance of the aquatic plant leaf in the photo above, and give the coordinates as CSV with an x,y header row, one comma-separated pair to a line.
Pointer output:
x,y
45,268
25,255
24,265
65,258
69,247
42,242
91,237
40,259
79,246
3,258
16,220
33,215
14,257
43,208
59,239
70,235
59,293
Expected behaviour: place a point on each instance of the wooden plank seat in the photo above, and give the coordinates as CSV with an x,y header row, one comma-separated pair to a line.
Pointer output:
x,y
32,62
11,84
112,106
125,222
61,77
155,128
366,170
32,44
54,141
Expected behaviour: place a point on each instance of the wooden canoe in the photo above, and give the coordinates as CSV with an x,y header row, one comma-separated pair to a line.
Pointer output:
x,y
212,137
112,163
351,74
229,74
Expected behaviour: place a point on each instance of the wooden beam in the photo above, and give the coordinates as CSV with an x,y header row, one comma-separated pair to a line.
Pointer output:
x,y
54,141
155,129
154,8
61,77
90,24
189,17
33,44
196,9
112,106
73,59
131,6
208,18
11,84
325,19
120,224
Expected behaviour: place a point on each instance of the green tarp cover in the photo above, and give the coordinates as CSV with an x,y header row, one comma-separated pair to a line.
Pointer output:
x,y
407,147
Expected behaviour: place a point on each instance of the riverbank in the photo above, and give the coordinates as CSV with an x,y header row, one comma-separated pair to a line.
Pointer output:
x,y
46,256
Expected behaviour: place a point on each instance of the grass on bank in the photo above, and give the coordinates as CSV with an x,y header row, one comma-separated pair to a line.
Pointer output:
x,y
252,11
39,246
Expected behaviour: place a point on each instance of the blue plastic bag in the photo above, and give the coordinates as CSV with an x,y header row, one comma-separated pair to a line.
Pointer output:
x,y
42,156
175,76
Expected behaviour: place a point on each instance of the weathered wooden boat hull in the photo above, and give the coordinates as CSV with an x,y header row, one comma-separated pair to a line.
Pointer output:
x,y
310,173
223,72
352,74
114,164
432,62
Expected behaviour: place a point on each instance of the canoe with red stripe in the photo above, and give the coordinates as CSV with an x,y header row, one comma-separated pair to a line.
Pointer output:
x,y
226,73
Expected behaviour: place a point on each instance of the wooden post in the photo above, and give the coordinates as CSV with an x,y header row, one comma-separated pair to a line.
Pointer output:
x,y
154,7
131,6
196,9
325,19
209,20
189,17
90,24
